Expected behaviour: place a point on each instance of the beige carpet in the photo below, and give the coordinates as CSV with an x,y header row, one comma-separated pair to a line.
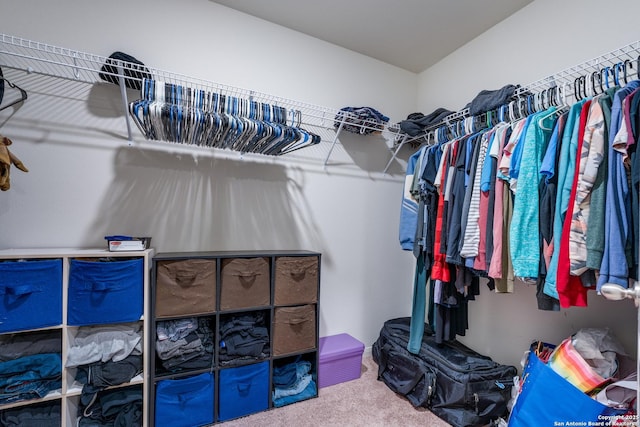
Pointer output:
x,y
364,402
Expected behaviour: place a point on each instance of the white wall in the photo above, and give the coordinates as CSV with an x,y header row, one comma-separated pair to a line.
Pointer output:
x,y
545,37
85,181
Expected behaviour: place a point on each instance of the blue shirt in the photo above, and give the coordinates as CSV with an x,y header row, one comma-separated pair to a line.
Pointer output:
x,y
614,267
566,169
409,208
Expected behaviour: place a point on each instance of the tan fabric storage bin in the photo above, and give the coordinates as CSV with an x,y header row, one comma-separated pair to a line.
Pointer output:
x,y
185,287
245,283
296,280
294,329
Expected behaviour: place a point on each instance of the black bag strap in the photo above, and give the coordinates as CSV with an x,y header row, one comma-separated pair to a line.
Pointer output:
x,y
383,360
382,367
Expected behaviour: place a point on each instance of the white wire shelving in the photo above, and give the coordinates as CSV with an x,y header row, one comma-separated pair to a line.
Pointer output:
x,y
68,64
63,63
570,84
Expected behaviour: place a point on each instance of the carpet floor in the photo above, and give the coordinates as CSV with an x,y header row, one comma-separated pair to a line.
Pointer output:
x,y
364,402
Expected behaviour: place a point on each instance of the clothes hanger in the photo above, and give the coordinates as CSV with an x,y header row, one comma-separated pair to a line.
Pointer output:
x,y
23,93
535,102
519,108
451,130
562,93
606,71
507,112
529,109
627,63
550,94
616,73
541,105
522,104
579,88
593,81
501,113
175,113
589,90
545,117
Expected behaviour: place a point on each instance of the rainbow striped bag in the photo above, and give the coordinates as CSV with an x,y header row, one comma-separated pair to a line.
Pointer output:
x,y
570,365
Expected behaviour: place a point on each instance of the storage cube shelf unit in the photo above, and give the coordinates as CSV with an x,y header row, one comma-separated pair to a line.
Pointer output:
x,y
55,299
227,328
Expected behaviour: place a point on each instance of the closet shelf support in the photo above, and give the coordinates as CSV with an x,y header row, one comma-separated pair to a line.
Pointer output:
x,y
395,153
335,140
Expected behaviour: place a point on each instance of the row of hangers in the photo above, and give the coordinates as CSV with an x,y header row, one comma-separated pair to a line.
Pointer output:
x,y
582,90
180,114
207,101
527,103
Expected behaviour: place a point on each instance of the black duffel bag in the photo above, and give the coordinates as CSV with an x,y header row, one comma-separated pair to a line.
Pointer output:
x,y
459,385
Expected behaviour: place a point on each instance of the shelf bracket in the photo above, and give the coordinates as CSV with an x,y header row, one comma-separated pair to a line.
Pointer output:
x,y
342,122
395,153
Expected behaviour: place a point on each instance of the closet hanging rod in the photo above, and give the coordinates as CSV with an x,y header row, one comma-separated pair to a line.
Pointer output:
x,y
629,52
568,75
58,62
54,61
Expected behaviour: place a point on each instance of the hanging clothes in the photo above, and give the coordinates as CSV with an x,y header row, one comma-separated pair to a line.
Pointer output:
x,y
566,175
566,166
591,158
500,267
471,239
595,228
571,291
548,192
525,251
420,277
409,207
616,256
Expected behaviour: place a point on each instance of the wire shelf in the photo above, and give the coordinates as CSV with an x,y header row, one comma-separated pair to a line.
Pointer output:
x,y
606,70
63,63
45,59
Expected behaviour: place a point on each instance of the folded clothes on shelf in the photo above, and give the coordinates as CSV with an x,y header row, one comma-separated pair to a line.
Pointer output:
x,y
362,120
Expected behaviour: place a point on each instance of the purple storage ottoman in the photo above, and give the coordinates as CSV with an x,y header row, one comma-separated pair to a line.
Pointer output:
x,y
340,359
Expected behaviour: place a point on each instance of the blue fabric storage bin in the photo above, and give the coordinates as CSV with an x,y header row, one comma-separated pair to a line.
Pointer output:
x,y
243,391
185,402
30,294
105,292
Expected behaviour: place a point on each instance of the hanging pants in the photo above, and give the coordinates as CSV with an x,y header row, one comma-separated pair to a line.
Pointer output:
x,y
419,302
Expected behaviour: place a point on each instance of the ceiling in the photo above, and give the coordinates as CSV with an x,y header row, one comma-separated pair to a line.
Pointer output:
x,y
410,34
